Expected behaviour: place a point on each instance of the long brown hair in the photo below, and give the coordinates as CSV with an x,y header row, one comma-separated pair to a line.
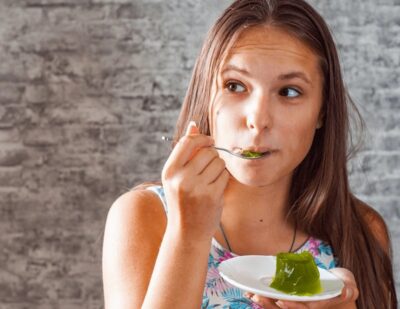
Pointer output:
x,y
320,198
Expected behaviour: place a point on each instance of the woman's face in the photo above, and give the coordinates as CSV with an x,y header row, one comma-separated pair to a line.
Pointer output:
x,y
268,98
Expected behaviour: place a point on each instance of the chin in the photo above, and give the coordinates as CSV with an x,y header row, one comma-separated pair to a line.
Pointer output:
x,y
256,180
258,176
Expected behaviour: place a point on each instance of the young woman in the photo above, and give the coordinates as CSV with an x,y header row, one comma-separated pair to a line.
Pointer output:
x,y
268,79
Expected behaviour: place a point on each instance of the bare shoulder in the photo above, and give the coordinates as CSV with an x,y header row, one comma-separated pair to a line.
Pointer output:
x,y
139,207
134,230
376,223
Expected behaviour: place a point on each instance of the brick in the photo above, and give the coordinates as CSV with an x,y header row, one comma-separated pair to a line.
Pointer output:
x,y
16,20
104,30
10,176
43,40
36,94
21,68
11,71
382,187
390,143
10,93
78,139
73,160
34,67
42,137
385,164
11,115
56,3
111,1
12,155
130,11
115,135
68,14
9,135
87,114
387,98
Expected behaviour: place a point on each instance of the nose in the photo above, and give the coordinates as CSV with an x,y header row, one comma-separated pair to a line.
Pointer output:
x,y
259,113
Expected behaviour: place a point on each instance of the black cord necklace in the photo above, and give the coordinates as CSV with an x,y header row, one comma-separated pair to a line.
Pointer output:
x,y
229,246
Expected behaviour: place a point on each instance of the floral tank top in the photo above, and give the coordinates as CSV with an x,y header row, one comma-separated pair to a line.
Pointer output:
x,y
220,294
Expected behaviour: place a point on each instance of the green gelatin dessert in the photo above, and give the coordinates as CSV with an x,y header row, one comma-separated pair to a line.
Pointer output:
x,y
296,274
251,154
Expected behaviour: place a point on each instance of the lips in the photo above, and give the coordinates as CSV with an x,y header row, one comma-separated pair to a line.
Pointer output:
x,y
262,150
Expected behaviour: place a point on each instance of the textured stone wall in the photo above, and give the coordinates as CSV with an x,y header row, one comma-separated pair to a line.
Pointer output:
x,y
87,87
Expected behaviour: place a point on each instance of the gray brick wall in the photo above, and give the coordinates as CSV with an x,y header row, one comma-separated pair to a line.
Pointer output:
x,y
87,87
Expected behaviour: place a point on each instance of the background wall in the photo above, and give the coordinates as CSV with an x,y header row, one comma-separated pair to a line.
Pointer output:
x,y
87,87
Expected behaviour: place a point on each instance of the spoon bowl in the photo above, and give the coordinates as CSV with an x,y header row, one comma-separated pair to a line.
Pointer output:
x,y
243,154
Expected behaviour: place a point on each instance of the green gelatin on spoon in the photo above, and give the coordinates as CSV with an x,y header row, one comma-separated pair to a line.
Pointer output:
x,y
251,154
296,274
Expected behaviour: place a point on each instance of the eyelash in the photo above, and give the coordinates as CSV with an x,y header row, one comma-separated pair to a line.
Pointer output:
x,y
233,82
299,93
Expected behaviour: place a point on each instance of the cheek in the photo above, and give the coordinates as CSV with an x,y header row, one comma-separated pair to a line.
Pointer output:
x,y
226,122
299,137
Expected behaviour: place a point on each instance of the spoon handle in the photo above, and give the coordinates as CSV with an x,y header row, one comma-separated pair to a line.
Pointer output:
x,y
226,150
170,139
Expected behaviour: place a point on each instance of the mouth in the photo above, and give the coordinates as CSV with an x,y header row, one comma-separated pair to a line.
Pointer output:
x,y
253,153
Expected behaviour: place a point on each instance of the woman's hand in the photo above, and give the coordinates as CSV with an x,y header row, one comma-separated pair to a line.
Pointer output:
x,y
344,301
194,179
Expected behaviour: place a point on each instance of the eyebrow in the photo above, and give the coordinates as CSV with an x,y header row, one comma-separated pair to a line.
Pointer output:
x,y
231,67
286,76
295,74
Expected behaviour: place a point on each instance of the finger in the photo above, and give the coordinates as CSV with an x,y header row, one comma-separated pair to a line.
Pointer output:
x,y
345,275
248,294
185,149
213,170
345,297
350,291
292,305
192,129
264,301
222,181
202,160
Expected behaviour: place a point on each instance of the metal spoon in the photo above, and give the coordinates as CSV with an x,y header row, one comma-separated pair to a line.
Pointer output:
x,y
236,154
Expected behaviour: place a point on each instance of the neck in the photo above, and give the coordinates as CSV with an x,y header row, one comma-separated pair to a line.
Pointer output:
x,y
246,206
254,218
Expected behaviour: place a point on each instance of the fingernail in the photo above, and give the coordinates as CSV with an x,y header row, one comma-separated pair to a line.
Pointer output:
x,y
349,293
190,126
254,298
281,304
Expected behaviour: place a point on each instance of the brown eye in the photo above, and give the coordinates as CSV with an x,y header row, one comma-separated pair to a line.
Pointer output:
x,y
235,87
289,92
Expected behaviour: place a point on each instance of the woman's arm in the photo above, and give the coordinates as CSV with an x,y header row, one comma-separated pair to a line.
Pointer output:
x,y
151,263
146,265
179,274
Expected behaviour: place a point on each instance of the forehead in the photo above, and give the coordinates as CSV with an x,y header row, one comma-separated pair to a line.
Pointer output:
x,y
274,44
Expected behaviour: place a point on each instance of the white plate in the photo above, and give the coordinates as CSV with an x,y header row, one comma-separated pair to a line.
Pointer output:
x,y
254,273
